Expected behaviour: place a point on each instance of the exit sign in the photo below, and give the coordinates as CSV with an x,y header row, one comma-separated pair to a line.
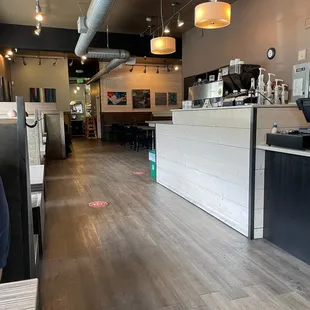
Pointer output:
x,y
80,81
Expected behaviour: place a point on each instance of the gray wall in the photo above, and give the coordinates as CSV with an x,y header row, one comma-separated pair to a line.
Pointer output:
x,y
256,26
44,76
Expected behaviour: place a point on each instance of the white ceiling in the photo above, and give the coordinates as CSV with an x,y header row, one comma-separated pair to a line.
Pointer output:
x,y
127,16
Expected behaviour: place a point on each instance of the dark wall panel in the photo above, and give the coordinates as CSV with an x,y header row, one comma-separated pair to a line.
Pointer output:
x,y
287,203
64,40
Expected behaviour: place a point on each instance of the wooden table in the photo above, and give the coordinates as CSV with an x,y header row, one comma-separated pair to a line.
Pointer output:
x,y
148,129
19,295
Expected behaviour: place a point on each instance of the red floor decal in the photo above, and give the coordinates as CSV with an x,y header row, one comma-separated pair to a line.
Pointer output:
x,y
98,204
139,173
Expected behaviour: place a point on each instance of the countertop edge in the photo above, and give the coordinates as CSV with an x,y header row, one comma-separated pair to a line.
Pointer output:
x,y
283,150
290,105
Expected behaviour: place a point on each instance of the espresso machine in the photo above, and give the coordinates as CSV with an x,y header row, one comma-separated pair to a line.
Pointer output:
x,y
238,78
231,87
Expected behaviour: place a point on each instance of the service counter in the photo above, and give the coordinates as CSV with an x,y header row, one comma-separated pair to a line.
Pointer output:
x,y
210,157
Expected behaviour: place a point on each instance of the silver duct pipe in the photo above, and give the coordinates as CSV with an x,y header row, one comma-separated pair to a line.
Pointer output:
x,y
113,64
107,53
96,14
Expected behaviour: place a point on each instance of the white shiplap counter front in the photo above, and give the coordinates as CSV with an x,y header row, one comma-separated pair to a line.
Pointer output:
x,y
208,156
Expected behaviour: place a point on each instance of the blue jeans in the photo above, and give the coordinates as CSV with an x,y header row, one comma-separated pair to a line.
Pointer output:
x,y
4,227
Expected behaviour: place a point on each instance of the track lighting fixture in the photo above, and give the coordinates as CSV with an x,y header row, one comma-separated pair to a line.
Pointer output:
x,y
144,71
55,63
168,70
157,71
39,16
130,70
24,62
180,21
166,30
38,29
40,62
15,50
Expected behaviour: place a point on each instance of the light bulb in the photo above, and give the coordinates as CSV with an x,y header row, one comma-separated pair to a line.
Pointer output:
x,y
39,17
167,30
78,88
37,31
84,57
180,21
176,68
75,91
10,53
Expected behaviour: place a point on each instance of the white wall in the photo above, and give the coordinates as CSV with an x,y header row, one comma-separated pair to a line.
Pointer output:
x,y
124,81
44,76
256,26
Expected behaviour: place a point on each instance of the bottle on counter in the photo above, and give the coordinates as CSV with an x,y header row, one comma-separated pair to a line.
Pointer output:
x,y
274,128
261,87
277,91
284,95
269,89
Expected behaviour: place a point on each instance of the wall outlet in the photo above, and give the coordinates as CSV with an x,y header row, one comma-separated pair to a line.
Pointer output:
x,y
302,55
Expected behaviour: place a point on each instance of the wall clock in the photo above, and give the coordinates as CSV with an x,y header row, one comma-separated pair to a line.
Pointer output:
x,y
271,53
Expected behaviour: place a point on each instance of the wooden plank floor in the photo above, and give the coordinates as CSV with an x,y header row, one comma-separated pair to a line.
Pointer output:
x,y
149,248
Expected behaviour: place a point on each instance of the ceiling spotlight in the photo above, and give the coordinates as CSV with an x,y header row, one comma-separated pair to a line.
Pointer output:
x,y
167,30
16,50
55,63
24,62
157,71
78,88
180,21
40,62
82,62
130,70
75,91
9,58
39,16
148,19
71,63
176,68
10,53
144,71
38,29
6,56
84,57
168,70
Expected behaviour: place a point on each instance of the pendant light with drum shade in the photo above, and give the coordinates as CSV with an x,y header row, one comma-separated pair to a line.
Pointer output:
x,y
212,15
163,45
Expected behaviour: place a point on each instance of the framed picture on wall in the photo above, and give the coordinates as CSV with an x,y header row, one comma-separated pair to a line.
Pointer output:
x,y
141,98
35,94
49,95
117,98
160,98
172,98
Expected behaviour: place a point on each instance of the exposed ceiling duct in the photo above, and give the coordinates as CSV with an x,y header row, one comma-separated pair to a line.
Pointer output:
x,y
88,27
